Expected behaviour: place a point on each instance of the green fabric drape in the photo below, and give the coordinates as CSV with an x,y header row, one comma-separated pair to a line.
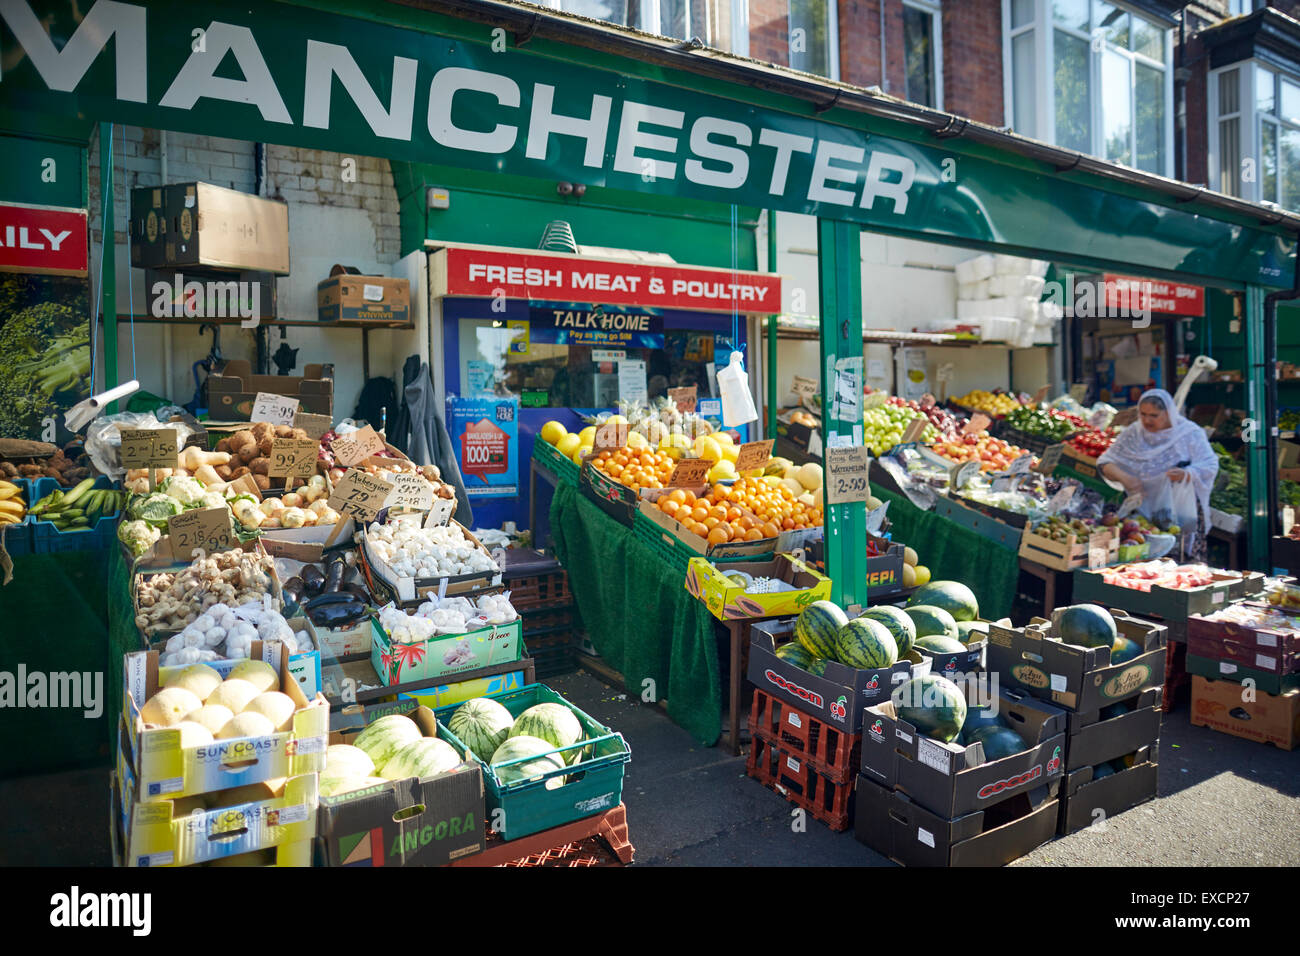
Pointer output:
x,y
954,553
639,615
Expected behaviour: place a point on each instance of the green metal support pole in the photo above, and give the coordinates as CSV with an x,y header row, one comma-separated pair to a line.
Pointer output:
x,y
108,268
1258,524
771,330
839,290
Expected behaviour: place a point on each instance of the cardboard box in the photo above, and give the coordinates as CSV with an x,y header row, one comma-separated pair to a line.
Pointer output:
x,y
727,601
615,499
1085,801
208,226
1171,604
413,822
1217,669
388,585
896,826
161,835
233,390
446,655
884,572
357,298
165,770
1076,678
304,667
1073,552
497,679
148,227
1092,739
1265,718
1273,650
981,524
838,696
160,559
951,780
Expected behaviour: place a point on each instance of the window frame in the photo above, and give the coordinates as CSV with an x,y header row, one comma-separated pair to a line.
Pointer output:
x,y
1251,118
934,10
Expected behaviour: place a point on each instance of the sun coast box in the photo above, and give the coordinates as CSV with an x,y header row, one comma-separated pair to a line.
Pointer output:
x,y
893,824
1086,800
727,601
951,780
1076,678
1092,739
1264,718
417,821
838,696
163,769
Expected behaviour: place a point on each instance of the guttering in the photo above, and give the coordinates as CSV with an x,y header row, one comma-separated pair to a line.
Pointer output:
x,y
539,23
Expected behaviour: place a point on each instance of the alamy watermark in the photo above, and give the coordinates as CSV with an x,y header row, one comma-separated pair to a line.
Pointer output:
x,y
77,690
1089,299
212,299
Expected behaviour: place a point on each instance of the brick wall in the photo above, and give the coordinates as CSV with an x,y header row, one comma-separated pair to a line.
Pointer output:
x,y
769,31
972,60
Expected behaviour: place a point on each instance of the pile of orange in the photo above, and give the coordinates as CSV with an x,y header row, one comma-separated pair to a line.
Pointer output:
x,y
715,519
635,467
772,504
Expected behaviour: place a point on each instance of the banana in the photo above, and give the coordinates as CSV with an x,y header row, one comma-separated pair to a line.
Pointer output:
x,y
7,490
9,506
85,486
7,518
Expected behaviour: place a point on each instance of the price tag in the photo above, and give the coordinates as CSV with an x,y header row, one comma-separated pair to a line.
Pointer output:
x,y
1129,505
1051,458
1078,391
683,398
245,485
293,458
412,492
1040,396
274,409
206,529
876,518
1097,558
314,425
360,494
753,454
610,437
978,422
805,390
354,448
1058,501
960,475
137,447
165,447
1005,483
690,472
1021,465
914,428
846,475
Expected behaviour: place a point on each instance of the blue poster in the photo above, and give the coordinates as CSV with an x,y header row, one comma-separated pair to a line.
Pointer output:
x,y
602,326
485,433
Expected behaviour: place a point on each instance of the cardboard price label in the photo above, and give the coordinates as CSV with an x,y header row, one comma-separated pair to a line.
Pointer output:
x,y
207,529
273,409
314,425
360,494
683,398
148,447
293,458
1097,558
754,454
960,475
1051,458
690,472
978,422
1057,503
1005,483
1040,396
914,428
846,475
805,390
1021,465
412,492
354,448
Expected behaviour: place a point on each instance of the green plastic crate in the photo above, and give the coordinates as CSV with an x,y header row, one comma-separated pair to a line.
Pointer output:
x,y
546,455
594,785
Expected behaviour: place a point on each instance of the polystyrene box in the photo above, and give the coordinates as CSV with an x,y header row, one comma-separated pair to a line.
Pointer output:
x,y
972,310
994,329
1017,265
973,270
1019,307
1016,285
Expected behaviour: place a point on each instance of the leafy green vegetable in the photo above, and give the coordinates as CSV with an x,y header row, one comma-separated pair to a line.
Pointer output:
x,y
44,364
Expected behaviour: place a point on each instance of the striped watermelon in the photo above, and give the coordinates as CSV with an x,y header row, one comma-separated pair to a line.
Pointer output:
x,y
426,757
385,737
818,666
932,620
796,654
525,746
482,725
554,723
817,625
866,645
899,624
939,644
935,706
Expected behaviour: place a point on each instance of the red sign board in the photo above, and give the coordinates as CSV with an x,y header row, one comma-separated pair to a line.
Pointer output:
x,y
484,449
1154,295
541,277
44,240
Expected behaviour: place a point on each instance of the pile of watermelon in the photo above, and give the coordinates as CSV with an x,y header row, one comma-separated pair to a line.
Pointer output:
x,y
496,738
1091,625
392,748
938,709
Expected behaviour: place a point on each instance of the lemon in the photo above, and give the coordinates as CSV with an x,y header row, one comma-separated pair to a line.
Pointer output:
x,y
568,444
922,575
722,471
672,451
616,420
637,440
723,438
588,435
731,453
676,440
552,432
578,455
707,447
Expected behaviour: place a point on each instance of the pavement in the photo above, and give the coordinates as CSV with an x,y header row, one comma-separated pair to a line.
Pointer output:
x,y
1222,801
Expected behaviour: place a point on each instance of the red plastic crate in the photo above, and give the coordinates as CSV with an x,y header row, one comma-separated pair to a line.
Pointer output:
x,y
799,782
539,590
601,840
831,752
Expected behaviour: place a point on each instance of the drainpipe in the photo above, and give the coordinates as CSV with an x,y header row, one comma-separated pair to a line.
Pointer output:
x,y
884,76
168,370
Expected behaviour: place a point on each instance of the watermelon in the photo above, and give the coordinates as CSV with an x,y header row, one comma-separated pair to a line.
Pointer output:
x,y
998,742
1086,625
481,724
525,746
332,786
346,760
426,757
939,644
817,625
935,706
972,632
1102,770
817,667
932,620
866,645
1124,649
554,723
952,596
979,716
385,737
796,654
899,624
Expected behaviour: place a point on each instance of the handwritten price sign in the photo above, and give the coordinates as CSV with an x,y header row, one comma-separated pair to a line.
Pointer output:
x,y
293,458
273,409
690,472
206,529
683,398
754,454
846,474
148,447
410,492
360,495
354,448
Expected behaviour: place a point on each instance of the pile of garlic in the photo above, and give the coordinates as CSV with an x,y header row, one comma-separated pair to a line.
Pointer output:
x,y
405,628
415,552
225,633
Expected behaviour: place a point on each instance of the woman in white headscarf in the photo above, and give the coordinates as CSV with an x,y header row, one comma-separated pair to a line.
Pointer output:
x,y
1157,454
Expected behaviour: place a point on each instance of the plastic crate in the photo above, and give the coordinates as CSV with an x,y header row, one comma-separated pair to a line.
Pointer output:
x,y
795,778
546,455
595,841
18,537
534,590
827,748
47,539
590,786
552,653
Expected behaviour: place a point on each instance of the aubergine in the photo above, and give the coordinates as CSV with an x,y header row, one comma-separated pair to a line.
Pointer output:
x,y
312,579
335,597
294,589
337,615
334,573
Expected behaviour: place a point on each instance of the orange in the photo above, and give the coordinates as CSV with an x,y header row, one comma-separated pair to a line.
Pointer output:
x,y
711,522
770,530
787,523
688,496
753,534
733,513
668,506
719,535
699,512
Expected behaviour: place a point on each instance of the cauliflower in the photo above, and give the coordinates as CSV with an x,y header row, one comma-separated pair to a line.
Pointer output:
x,y
188,491
210,499
138,536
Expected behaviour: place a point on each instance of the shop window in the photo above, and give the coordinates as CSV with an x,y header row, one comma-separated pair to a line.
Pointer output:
x,y
813,37
1255,134
923,52
1091,76
714,22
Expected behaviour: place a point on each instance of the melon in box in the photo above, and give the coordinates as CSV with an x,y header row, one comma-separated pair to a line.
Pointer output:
x,y
728,600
